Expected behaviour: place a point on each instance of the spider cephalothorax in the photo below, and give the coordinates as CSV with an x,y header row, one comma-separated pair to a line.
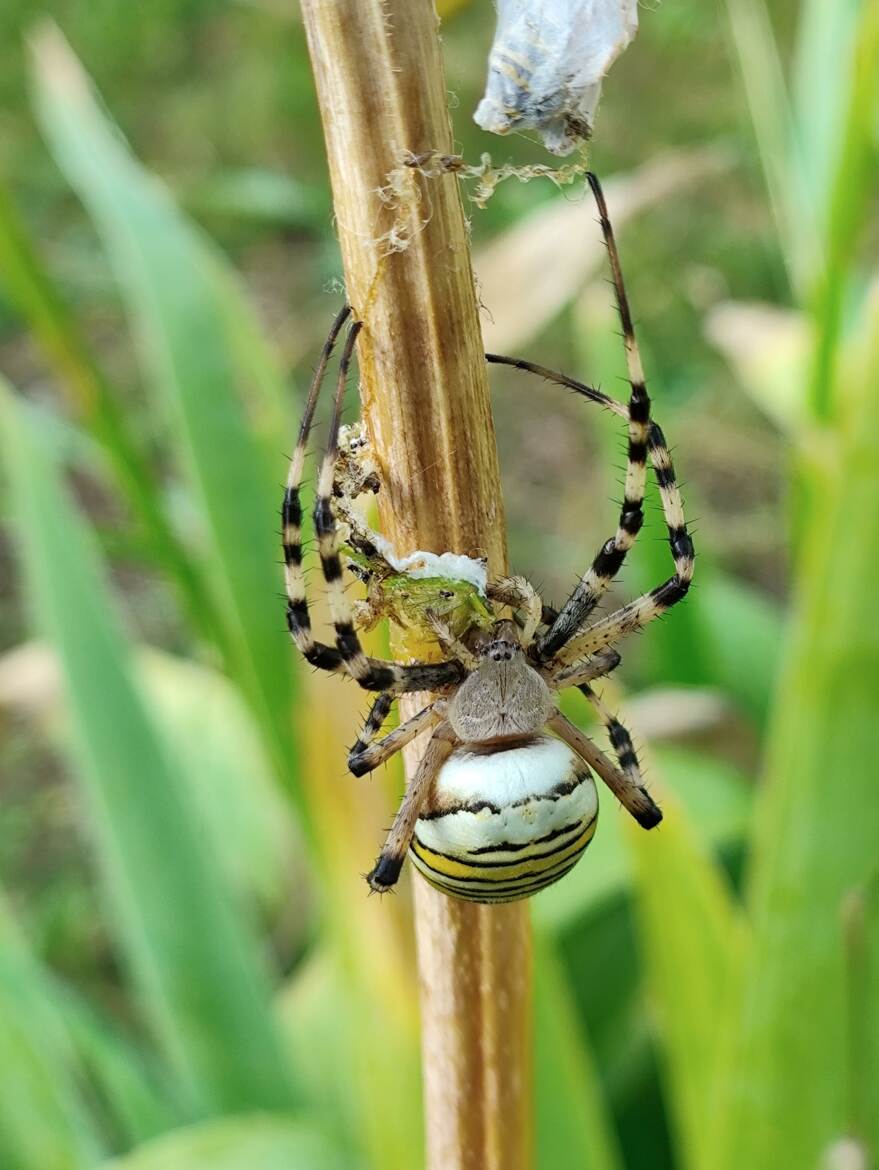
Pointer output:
x,y
503,802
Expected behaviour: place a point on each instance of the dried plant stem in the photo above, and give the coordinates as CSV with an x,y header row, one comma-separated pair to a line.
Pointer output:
x,y
407,267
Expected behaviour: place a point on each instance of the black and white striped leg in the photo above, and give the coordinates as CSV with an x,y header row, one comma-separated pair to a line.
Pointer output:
x,y
657,601
386,870
596,666
378,713
372,674
619,737
610,557
631,795
366,755
298,619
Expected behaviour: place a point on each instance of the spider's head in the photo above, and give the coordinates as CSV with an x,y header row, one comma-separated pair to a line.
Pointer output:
x,y
500,643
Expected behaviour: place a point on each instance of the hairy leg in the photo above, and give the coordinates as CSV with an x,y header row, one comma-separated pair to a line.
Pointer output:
x,y
372,674
609,559
643,610
366,755
633,797
586,671
452,646
298,619
386,870
620,739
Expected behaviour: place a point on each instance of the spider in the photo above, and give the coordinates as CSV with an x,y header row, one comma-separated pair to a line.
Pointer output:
x,y
503,802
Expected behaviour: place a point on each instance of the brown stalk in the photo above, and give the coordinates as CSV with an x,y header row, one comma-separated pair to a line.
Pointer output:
x,y
406,255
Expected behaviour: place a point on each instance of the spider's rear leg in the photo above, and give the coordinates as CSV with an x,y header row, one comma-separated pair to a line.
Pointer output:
x,y
386,870
632,795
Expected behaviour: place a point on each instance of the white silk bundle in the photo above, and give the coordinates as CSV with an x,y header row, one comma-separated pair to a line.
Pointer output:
x,y
547,63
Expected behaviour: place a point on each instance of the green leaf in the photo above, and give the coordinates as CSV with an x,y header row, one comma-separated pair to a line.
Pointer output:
x,y
362,1075
194,959
43,1122
133,1101
238,1143
818,823
822,51
741,631
766,91
693,938
574,1128
200,348
851,200
261,196
32,291
215,738
319,1010
860,920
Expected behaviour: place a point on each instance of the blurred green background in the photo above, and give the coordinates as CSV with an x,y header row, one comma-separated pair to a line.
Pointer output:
x,y
191,974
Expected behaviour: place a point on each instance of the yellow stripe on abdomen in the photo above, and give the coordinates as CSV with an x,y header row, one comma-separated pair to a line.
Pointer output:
x,y
502,825
477,880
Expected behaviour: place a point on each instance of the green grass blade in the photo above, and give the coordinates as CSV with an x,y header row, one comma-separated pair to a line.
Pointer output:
x,y
192,328
851,201
40,303
741,631
574,1128
43,1122
766,91
822,52
194,960
819,821
860,923
693,939
215,739
238,1143
361,1036
132,1101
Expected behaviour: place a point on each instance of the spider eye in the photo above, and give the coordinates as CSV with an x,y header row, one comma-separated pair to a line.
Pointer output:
x,y
446,594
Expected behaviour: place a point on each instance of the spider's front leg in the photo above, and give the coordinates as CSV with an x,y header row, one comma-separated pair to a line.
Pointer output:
x,y
630,793
449,642
386,870
609,559
644,609
580,674
519,593
371,673
318,654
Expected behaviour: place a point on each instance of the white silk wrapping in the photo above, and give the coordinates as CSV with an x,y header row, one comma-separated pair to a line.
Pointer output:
x,y
547,63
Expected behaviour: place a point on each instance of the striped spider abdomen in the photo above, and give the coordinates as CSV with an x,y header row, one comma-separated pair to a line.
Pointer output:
x,y
503,824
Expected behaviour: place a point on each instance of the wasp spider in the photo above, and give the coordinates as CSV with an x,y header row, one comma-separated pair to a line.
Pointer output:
x,y
503,802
